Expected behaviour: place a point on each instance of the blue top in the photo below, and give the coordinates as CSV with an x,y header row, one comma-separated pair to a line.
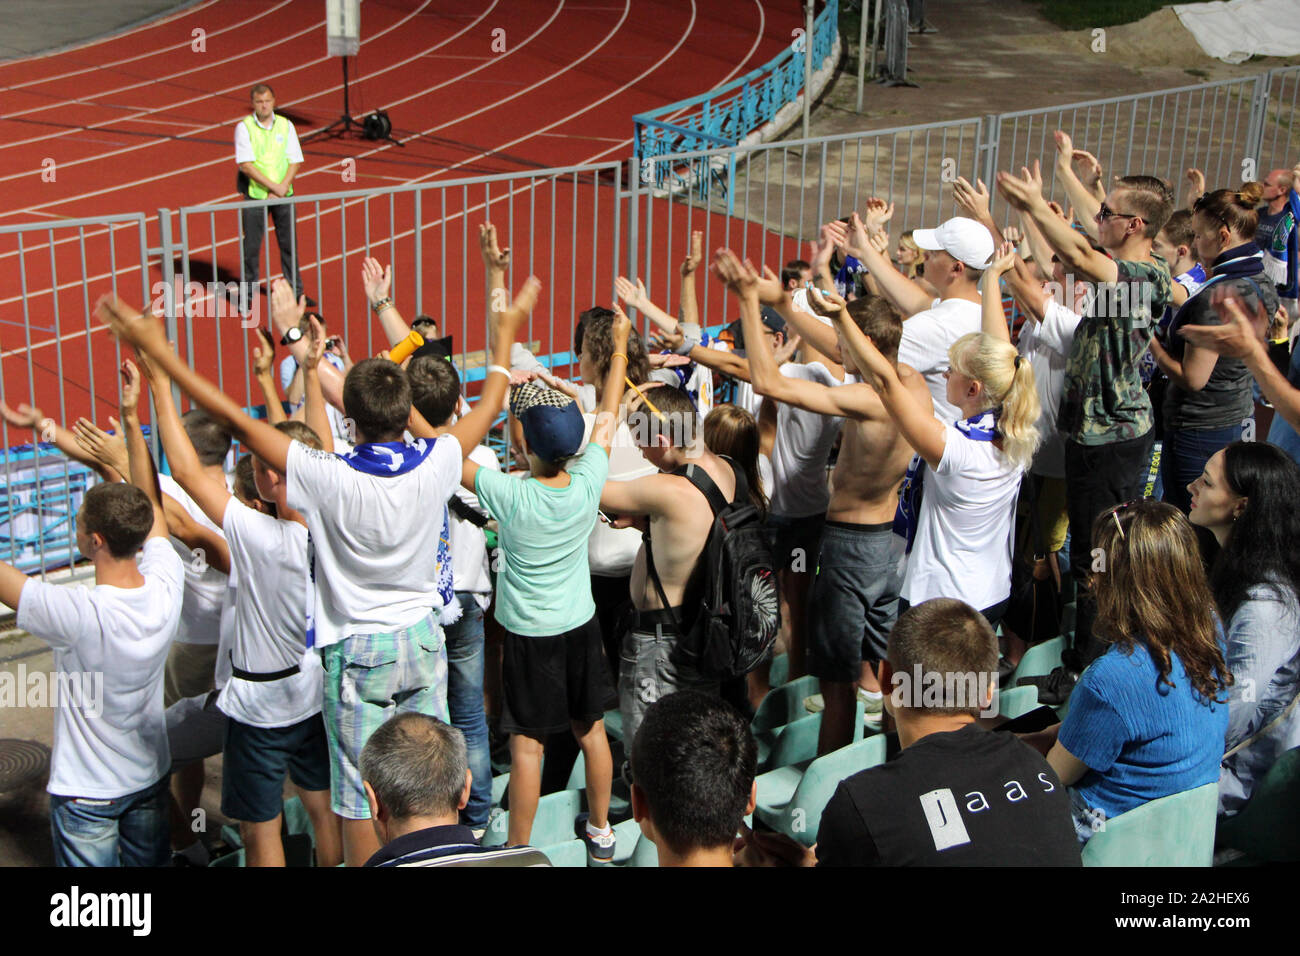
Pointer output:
x,y
544,586
1141,738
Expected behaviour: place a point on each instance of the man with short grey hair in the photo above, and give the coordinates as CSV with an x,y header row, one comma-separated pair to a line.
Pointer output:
x,y
417,779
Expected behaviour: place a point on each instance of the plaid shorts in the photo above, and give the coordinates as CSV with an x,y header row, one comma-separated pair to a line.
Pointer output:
x,y
368,679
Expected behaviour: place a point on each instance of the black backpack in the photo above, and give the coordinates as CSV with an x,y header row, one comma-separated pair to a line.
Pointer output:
x,y
733,594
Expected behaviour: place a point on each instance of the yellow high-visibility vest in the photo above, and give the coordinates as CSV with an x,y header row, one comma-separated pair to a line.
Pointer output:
x,y
270,152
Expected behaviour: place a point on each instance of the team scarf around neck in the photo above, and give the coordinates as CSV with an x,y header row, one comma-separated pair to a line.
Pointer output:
x,y
386,459
981,427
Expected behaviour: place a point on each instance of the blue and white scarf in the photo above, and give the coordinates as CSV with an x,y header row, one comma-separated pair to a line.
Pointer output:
x,y
386,459
981,427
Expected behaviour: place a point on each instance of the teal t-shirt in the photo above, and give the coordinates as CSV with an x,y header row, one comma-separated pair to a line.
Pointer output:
x,y
544,583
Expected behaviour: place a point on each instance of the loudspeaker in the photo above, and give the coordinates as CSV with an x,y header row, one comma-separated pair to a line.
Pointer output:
x,y
376,126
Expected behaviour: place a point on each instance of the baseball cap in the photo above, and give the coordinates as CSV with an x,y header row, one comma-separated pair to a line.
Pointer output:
x,y
552,422
964,239
770,318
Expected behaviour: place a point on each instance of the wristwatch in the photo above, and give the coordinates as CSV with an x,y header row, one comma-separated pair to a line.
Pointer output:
x,y
293,335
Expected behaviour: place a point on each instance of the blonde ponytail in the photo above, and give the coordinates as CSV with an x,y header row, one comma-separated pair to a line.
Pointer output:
x,y
1008,382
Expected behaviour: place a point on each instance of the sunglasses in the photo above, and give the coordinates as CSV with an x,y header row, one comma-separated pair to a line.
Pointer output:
x,y
1105,212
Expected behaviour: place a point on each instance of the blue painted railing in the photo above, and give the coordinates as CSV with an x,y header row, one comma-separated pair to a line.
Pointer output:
x,y
726,115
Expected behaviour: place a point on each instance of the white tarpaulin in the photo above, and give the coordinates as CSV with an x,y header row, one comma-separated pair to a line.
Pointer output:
x,y
1235,31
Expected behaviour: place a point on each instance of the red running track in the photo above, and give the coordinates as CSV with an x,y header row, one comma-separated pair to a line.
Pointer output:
x,y
144,121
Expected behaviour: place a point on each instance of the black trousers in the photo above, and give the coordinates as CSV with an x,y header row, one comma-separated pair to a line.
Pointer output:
x,y
254,222
1097,477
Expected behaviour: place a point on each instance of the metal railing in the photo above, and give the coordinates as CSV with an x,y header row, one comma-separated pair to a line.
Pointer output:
x,y
576,227
726,115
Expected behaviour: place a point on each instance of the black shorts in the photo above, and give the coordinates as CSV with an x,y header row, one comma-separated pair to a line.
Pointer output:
x,y
256,760
550,681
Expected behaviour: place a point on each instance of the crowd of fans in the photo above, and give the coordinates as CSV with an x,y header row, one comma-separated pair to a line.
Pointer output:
x,y
924,469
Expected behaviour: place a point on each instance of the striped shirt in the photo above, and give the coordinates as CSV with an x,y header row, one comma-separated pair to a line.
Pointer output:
x,y
452,846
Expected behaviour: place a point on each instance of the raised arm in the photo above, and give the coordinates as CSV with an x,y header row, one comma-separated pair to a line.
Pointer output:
x,y
213,547
907,295
140,462
503,327
690,307
602,433
48,430
211,496
915,420
974,202
1241,337
496,261
1025,193
378,283
146,333
1085,201
315,413
264,373
634,297
286,313
764,371
1195,186
994,318
108,450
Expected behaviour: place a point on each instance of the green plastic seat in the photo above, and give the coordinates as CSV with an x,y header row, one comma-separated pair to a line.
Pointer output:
x,y
614,724
1039,660
796,742
553,823
791,799
229,861
1267,828
568,853
1177,830
500,783
784,704
644,852
297,820
1016,701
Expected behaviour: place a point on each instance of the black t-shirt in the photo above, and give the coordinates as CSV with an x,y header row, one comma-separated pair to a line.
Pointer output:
x,y
963,798
1227,398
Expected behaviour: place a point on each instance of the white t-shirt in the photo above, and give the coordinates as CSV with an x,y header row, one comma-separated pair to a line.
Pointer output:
x,y
268,567
470,568
1046,345
802,446
374,537
927,336
205,586
244,143
963,538
110,735
611,552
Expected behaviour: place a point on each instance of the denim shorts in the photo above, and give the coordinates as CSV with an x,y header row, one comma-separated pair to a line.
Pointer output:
x,y
118,831
368,679
258,758
855,594
651,668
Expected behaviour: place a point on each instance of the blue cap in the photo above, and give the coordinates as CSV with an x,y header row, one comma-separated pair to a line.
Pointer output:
x,y
552,422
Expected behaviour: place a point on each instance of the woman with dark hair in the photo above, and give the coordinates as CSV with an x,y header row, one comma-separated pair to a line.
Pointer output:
x,y
1148,717
1247,498
732,431
1209,401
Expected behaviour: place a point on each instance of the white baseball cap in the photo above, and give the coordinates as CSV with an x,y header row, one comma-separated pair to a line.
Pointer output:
x,y
964,239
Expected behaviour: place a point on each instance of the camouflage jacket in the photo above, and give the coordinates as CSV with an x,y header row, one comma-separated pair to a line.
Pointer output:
x,y
1103,401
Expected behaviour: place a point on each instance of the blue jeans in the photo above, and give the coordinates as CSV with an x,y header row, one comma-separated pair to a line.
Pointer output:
x,y
465,700
1184,456
122,831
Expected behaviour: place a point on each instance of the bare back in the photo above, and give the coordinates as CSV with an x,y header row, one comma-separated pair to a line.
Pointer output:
x,y
873,459
678,537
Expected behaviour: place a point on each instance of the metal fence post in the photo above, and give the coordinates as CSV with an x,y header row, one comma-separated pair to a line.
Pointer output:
x,y
1258,117
167,249
989,136
633,217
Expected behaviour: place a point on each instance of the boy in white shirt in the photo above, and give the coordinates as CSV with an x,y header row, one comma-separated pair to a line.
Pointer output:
x,y
108,776
378,598
271,692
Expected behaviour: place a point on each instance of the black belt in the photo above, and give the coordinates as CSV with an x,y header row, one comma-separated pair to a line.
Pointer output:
x,y
261,678
659,616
